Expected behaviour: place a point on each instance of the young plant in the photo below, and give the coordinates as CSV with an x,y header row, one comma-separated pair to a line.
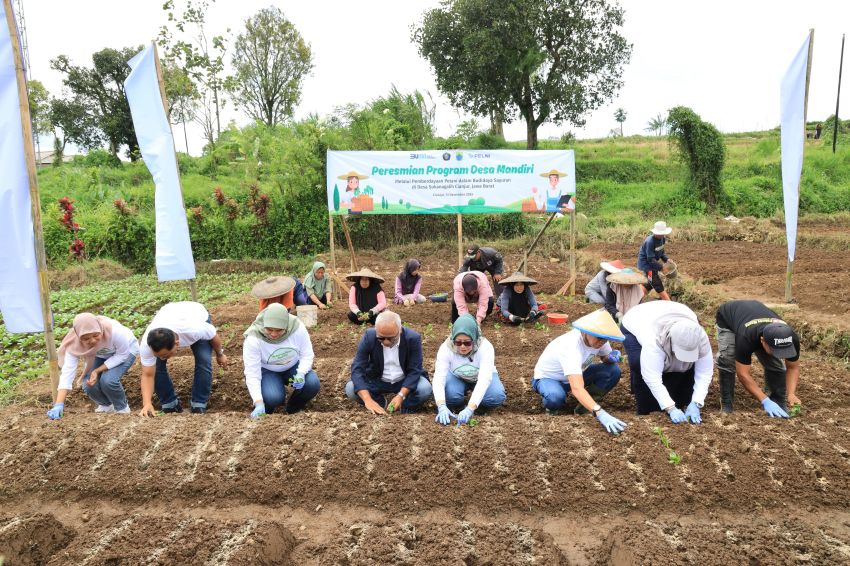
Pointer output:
x,y
473,422
497,326
539,326
674,458
391,408
796,410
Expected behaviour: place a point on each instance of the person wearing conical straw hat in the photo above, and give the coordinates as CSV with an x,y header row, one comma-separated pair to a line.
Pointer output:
x,y
281,289
553,191
352,183
651,256
669,358
597,288
625,291
466,361
278,352
566,366
517,302
366,298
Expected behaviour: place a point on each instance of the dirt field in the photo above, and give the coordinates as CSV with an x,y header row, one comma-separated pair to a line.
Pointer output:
x,y
334,485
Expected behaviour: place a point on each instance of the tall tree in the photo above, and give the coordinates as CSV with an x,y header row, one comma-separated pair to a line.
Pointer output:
x,y
39,103
657,124
182,94
99,92
270,59
620,116
542,60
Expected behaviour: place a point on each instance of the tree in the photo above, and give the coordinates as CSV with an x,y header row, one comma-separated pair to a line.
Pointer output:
x,y
99,93
39,103
78,125
700,145
543,60
657,125
182,94
620,116
270,59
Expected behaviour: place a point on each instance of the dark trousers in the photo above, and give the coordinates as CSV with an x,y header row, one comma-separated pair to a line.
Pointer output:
x,y
680,386
455,314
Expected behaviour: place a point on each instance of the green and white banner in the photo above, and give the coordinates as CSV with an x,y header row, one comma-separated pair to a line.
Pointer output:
x,y
450,182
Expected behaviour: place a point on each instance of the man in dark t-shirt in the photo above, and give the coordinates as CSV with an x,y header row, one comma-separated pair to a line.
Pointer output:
x,y
745,328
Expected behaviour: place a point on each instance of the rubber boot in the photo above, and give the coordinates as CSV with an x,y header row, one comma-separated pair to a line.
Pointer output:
x,y
596,392
727,390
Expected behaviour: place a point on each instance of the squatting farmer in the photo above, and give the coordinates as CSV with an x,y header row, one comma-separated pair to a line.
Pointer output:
x,y
471,287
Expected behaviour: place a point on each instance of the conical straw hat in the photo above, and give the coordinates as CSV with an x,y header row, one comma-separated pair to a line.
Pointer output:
x,y
600,324
365,272
273,287
627,276
553,172
345,176
518,277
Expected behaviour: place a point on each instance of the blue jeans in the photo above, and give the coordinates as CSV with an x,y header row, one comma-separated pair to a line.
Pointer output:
x,y
274,384
108,390
377,389
456,390
299,297
554,392
201,385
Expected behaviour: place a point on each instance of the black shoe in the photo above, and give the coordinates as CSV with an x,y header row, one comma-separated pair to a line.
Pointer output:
x,y
199,410
178,408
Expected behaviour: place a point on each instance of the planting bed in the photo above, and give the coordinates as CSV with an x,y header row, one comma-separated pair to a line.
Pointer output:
x,y
334,485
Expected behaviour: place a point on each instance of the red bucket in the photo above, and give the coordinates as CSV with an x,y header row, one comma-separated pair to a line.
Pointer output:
x,y
557,318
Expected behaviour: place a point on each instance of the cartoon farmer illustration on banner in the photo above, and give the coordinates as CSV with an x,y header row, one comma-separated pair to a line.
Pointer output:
x,y
555,200
352,188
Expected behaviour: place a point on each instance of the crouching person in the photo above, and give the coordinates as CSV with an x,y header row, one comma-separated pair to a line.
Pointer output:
x,y
466,361
565,367
108,350
178,325
388,362
278,352
669,360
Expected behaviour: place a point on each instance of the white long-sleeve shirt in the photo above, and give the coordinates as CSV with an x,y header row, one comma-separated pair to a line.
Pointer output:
x,y
567,355
258,354
478,370
645,321
122,345
187,319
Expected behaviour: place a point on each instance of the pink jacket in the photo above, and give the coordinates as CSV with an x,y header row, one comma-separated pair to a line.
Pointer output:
x,y
352,301
484,293
399,296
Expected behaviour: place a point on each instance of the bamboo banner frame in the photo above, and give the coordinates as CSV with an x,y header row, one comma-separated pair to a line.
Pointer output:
x,y
35,201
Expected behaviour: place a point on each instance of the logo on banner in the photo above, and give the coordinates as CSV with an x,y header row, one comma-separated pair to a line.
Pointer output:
x,y
447,156
459,156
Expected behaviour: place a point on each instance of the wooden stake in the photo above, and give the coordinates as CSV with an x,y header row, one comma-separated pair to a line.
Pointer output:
x,y
838,95
459,239
350,245
534,243
35,201
572,253
192,285
337,291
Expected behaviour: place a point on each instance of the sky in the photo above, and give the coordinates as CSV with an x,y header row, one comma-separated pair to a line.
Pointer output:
x,y
724,59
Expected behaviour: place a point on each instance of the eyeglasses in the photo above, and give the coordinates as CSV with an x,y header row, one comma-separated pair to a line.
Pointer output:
x,y
389,339
463,343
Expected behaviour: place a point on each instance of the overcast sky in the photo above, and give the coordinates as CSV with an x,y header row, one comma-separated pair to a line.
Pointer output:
x,y
722,58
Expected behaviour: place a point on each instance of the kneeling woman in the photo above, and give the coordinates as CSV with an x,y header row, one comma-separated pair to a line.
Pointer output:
x,y
108,349
366,299
517,302
466,360
277,352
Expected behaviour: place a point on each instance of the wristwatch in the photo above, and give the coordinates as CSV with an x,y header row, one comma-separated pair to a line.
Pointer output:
x,y
595,409
220,352
402,395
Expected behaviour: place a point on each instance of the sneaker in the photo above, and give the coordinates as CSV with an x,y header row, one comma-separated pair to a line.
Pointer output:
x,y
551,412
199,410
178,408
124,411
104,409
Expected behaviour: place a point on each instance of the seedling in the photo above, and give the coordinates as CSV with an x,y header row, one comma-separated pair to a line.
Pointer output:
x,y
429,329
674,458
473,422
538,326
497,326
796,411
160,413
391,409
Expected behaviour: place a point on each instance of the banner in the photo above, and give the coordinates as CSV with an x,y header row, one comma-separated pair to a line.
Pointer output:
x,y
20,302
173,249
477,181
792,111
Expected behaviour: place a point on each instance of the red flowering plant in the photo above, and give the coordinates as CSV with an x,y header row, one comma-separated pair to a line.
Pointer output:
x,y
218,194
77,248
197,214
122,207
258,203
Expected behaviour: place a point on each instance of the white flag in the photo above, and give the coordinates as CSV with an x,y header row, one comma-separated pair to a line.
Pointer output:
x,y
793,136
19,297
173,248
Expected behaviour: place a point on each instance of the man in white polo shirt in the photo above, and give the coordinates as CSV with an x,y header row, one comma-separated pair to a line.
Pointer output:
x,y
178,325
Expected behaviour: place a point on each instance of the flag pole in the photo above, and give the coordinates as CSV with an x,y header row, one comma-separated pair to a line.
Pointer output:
x,y
789,271
838,95
193,287
35,202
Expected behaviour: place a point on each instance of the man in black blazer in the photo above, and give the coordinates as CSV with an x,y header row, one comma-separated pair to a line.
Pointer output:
x,y
389,360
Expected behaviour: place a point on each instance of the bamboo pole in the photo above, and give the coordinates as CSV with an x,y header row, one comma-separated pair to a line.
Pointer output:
x,y
789,271
459,239
838,95
193,287
35,202
534,242
337,290
350,245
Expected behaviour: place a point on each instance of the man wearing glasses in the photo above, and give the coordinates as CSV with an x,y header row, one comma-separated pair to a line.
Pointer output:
x,y
389,361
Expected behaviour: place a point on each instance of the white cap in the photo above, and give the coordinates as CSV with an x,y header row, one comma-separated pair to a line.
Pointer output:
x,y
685,337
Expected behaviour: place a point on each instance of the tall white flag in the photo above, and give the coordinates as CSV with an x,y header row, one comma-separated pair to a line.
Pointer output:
x,y
793,136
19,297
173,249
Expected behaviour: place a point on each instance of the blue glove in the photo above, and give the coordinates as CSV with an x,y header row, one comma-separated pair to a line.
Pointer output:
x,y
611,423
56,412
615,356
444,415
677,416
692,413
297,381
259,411
772,409
464,416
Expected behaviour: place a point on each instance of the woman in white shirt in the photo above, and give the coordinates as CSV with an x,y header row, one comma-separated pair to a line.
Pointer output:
x,y
277,352
108,349
466,360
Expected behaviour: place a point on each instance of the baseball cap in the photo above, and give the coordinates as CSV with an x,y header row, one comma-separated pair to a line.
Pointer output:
x,y
780,338
685,338
473,249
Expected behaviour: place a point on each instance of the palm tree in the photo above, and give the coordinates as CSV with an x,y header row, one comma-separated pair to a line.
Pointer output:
x,y
657,125
620,116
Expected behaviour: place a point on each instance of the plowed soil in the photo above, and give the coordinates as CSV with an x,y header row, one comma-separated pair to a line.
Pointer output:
x,y
334,485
